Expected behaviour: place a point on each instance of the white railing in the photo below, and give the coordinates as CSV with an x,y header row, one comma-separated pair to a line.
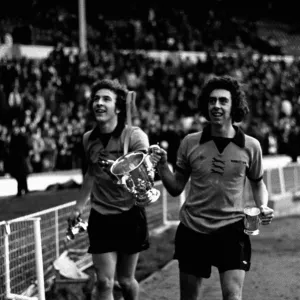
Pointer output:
x,y
283,179
24,263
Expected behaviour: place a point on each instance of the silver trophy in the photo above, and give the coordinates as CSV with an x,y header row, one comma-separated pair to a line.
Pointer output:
x,y
136,172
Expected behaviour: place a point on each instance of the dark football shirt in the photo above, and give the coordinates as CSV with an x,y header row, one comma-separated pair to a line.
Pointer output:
x,y
107,197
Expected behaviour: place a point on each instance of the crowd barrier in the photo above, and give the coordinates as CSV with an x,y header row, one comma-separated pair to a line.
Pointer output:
x,y
28,252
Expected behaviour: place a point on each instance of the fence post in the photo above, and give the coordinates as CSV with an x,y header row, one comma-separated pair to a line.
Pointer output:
x,y
282,180
269,182
6,258
56,233
39,258
296,182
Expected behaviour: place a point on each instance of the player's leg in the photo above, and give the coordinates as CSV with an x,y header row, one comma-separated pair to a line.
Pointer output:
x,y
126,267
192,250
102,238
233,259
18,178
189,286
135,238
105,266
232,284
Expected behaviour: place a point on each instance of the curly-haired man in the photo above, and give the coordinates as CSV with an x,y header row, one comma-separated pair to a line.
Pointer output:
x,y
217,161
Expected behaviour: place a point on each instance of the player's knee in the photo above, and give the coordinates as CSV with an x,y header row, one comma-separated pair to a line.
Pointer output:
x,y
105,284
126,282
232,295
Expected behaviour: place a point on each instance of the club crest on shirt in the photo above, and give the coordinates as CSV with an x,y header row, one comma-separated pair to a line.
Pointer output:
x,y
217,166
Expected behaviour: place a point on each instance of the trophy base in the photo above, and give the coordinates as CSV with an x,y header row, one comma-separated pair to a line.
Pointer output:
x,y
148,199
255,232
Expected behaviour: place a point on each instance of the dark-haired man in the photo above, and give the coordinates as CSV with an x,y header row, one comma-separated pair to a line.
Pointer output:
x,y
117,228
217,161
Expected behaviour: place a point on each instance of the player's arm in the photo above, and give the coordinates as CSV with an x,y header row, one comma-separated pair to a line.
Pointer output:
x,y
259,189
84,193
174,182
260,193
260,196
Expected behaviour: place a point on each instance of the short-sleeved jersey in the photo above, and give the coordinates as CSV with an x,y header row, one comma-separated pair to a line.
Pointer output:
x,y
107,197
217,180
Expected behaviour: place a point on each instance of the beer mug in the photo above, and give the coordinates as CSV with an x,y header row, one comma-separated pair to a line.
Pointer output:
x,y
251,220
136,172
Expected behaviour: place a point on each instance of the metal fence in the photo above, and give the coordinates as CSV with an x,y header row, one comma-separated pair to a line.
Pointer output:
x,y
17,245
20,264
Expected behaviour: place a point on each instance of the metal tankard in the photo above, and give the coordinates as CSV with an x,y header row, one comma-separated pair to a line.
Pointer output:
x,y
136,172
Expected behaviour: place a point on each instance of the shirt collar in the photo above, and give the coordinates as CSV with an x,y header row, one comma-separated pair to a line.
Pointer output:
x,y
238,139
116,133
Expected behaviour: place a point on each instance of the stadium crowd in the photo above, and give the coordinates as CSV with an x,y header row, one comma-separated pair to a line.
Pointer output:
x,y
47,98
216,26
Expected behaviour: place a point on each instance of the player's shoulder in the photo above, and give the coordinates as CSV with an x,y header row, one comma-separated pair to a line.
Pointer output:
x,y
193,136
87,134
134,130
191,140
251,141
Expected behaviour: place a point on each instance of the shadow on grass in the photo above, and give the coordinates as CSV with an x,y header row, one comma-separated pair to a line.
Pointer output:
x,y
158,255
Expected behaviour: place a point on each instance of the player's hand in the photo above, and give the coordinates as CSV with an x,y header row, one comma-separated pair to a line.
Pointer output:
x,y
74,216
105,163
158,155
266,214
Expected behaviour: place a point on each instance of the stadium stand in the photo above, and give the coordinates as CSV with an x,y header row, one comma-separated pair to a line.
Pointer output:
x,y
48,96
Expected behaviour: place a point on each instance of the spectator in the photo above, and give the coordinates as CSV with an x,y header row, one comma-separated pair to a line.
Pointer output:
x,y
4,107
4,151
293,143
19,164
16,104
37,149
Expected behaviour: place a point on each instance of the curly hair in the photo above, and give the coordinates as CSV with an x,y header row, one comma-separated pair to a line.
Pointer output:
x,y
116,87
240,106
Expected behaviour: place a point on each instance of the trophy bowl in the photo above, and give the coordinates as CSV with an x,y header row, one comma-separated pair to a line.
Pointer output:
x,y
136,172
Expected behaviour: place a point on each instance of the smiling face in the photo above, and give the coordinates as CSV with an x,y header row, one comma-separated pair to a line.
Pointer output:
x,y
104,106
219,107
